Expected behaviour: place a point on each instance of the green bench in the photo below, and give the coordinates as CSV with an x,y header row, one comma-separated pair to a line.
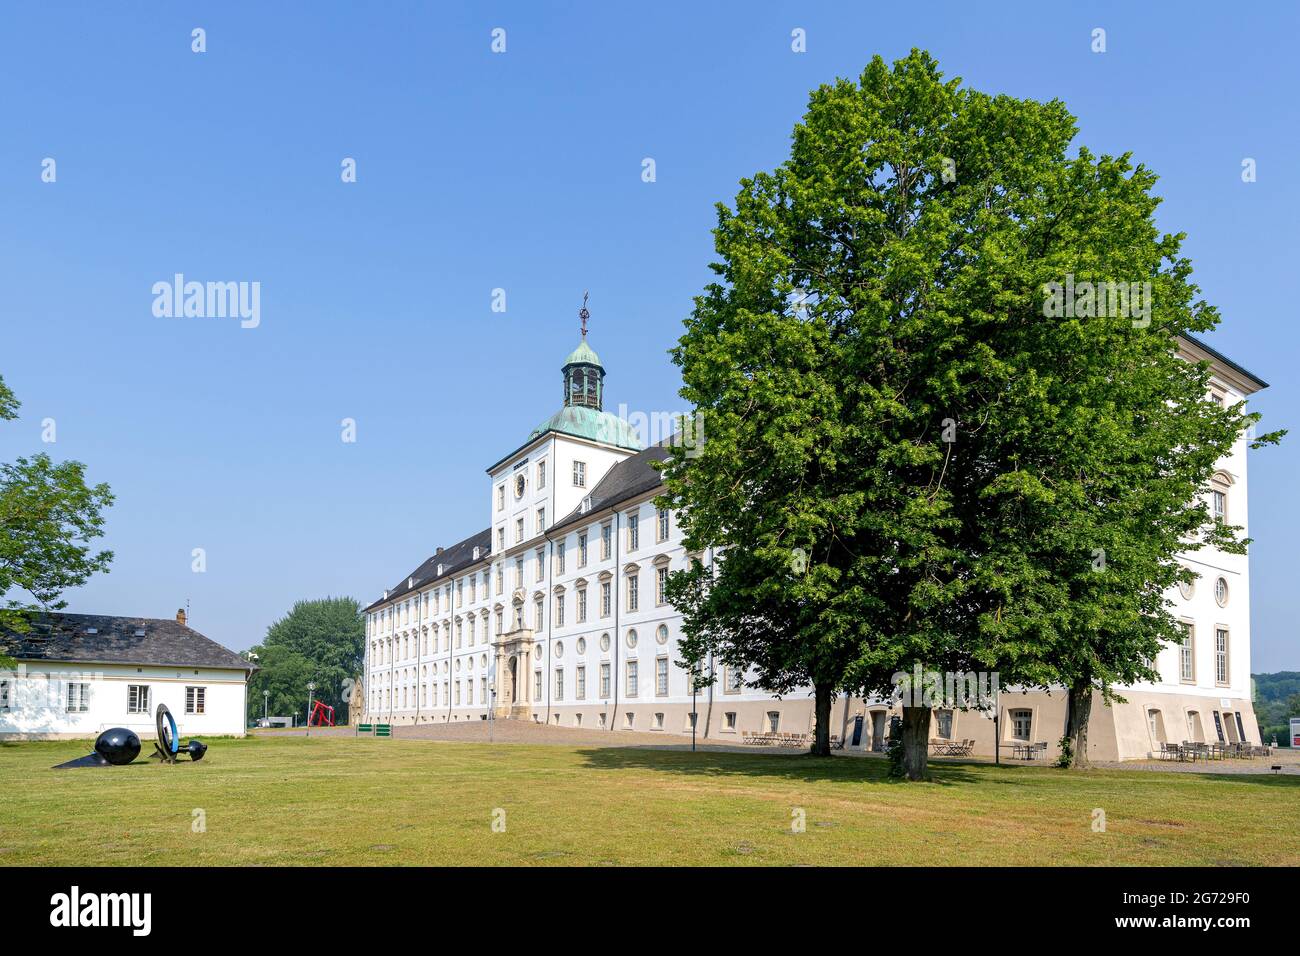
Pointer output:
x,y
378,730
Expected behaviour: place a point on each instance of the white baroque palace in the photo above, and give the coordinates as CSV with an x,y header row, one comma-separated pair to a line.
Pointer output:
x,y
555,613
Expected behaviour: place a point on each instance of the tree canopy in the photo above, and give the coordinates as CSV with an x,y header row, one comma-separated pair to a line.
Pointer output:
x,y
320,640
946,421
48,518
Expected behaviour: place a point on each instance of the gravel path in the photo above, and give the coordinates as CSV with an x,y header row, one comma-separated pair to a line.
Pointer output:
x,y
528,732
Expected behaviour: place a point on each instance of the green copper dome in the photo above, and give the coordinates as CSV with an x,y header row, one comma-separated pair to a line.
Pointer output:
x,y
590,423
583,355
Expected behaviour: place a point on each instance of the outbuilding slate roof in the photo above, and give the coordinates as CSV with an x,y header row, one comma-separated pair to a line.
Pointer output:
x,y
116,640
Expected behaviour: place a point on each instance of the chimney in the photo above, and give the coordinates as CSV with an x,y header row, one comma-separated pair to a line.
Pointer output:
x,y
439,551
180,615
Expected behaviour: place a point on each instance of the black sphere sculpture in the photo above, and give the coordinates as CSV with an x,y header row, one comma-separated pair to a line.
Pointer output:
x,y
118,745
113,748
197,749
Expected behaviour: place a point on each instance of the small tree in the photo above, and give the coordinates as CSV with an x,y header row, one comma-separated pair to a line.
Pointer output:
x,y
321,640
48,518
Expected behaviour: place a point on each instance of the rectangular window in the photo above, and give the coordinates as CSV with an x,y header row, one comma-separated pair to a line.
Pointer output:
x,y
137,698
1021,724
661,585
196,700
629,719
501,579
735,680
606,539
729,720
631,678
482,690
582,605
604,680
78,698
559,557
661,527
944,719
540,553
773,721
537,685
604,598
541,520
633,591
580,474
501,539
1220,505
1187,655
460,593
457,693
580,684
633,531
519,530
1221,655
559,610
501,497
519,571
559,685
469,691
661,676
541,475
582,550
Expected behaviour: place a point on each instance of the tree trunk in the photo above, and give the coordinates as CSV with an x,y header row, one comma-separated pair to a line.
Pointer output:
x,y
822,714
1077,729
916,741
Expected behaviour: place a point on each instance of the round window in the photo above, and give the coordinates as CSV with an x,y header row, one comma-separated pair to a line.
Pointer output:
x,y
483,661
582,645
519,485
604,642
559,648
1187,589
662,634
631,638
458,665
1221,591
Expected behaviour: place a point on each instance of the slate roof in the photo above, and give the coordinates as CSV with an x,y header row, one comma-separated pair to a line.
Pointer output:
x,y
628,479
67,638
1227,361
453,560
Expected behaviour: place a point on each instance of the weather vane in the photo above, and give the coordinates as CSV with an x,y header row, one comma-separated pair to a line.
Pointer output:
x,y
584,315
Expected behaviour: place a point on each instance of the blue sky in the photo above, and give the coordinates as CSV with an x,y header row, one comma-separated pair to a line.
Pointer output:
x,y
519,171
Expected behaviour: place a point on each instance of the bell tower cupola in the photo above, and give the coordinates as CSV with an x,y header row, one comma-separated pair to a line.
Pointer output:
x,y
584,376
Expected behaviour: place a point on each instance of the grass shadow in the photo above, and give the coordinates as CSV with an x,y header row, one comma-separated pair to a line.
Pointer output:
x,y
803,768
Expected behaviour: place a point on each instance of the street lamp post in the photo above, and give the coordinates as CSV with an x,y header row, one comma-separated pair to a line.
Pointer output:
x,y
311,687
266,707
492,690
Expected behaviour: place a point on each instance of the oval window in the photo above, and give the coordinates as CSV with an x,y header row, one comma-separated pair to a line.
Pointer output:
x,y
1221,592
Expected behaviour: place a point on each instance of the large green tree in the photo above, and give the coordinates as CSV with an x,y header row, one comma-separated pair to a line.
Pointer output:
x,y
48,518
321,641
976,481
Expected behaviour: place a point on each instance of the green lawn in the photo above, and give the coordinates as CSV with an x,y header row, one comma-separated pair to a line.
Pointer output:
x,y
322,801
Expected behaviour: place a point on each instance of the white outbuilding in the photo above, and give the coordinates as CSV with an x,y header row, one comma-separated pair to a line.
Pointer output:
x,y
75,675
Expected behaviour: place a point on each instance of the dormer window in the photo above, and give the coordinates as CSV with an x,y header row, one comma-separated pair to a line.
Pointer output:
x,y
585,506
477,551
439,570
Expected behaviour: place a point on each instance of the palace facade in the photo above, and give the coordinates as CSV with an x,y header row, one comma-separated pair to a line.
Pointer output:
x,y
555,613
